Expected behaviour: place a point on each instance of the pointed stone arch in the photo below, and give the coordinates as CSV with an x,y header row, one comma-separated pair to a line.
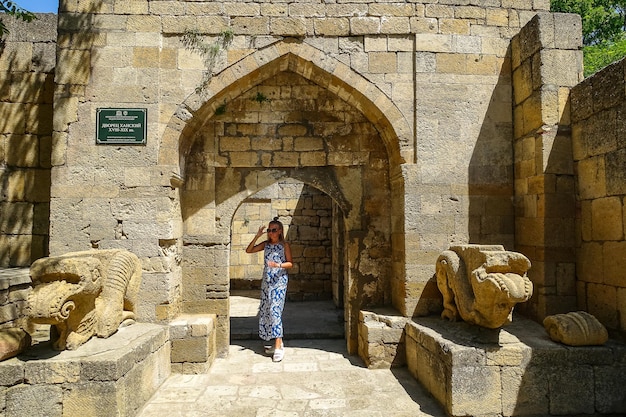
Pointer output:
x,y
312,64
372,277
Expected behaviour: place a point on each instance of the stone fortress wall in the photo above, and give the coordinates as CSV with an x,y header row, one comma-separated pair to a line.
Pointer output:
x,y
27,63
599,150
465,109
547,63
432,80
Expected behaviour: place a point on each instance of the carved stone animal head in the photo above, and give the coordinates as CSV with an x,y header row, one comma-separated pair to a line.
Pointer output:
x,y
498,285
495,297
82,294
52,303
482,283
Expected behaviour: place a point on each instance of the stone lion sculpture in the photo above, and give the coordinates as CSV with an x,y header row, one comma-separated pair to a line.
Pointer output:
x,y
482,283
82,294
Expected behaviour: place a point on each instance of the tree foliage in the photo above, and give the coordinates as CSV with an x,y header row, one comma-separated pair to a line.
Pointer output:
x,y
604,23
11,8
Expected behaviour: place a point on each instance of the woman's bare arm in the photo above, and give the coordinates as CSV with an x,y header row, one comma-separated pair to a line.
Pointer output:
x,y
252,246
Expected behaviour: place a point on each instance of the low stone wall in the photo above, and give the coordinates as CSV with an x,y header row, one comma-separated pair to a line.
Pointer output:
x,y
14,287
516,370
104,377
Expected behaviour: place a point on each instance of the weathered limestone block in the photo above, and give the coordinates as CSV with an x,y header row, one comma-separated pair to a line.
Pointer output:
x,y
577,328
482,283
84,293
13,342
381,339
193,343
106,377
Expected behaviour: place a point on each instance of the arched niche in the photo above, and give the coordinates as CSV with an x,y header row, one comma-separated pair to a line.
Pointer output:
x,y
285,117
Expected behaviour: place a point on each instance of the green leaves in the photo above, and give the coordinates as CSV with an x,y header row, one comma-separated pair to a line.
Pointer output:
x,y
599,56
604,22
11,8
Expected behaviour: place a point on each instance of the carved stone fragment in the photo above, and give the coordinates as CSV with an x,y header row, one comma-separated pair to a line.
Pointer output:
x,y
13,342
482,283
577,328
82,294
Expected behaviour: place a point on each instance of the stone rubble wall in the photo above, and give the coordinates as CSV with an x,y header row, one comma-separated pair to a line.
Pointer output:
x,y
27,64
599,148
306,214
15,284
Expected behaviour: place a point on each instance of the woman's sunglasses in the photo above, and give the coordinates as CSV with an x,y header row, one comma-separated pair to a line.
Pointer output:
x,y
273,230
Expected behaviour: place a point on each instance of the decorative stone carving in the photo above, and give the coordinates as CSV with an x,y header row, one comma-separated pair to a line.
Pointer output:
x,y
82,294
577,328
482,283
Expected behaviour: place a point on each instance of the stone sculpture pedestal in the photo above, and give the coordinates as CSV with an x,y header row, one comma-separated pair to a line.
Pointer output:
x,y
516,370
104,377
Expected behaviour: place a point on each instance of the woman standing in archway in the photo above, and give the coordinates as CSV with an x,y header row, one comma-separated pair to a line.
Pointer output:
x,y
277,259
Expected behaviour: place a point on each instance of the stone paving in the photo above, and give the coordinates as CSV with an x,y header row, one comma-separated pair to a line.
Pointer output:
x,y
317,377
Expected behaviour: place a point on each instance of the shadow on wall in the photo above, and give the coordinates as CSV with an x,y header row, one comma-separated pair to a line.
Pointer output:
x,y
559,218
489,216
27,64
490,174
30,81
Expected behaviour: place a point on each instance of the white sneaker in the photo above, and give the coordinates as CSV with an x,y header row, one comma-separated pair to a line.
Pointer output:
x,y
269,349
279,354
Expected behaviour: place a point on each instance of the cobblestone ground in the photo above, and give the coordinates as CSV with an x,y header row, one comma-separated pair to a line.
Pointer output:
x,y
316,378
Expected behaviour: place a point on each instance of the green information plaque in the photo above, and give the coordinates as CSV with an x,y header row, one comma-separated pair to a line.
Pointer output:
x,y
121,126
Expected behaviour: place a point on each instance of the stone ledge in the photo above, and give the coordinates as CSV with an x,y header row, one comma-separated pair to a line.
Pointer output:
x,y
516,370
381,338
11,277
104,377
193,338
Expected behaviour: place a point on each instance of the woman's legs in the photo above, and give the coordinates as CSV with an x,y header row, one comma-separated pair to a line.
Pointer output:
x,y
278,296
279,350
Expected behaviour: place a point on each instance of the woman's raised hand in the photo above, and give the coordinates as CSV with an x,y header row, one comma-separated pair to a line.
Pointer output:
x,y
261,230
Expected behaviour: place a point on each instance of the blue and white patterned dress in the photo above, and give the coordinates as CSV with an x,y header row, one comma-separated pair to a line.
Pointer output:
x,y
273,291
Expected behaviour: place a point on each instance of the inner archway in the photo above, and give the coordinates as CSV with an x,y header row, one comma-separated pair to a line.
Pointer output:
x,y
313,228
287,125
